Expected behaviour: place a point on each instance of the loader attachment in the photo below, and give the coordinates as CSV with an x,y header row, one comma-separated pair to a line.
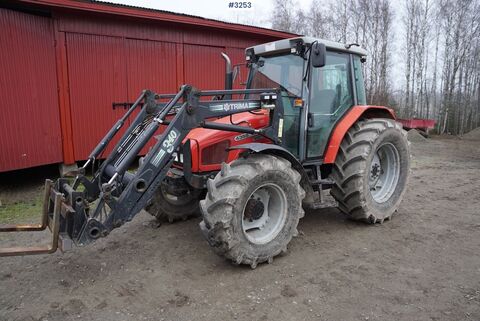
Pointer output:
x,y
50,219
82,211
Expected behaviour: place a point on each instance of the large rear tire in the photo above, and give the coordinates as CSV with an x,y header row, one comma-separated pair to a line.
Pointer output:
x,y
252,209
372,169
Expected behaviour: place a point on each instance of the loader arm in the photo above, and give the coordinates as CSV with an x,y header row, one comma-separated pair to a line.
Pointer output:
x,y
114,195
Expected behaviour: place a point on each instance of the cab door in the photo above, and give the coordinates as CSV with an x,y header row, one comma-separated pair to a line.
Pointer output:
x,y
331,95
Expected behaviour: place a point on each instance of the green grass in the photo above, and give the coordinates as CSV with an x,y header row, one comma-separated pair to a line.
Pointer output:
x,y
21,212
26,211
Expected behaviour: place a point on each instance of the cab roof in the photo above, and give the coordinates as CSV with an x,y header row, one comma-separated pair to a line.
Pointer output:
x,y
271,48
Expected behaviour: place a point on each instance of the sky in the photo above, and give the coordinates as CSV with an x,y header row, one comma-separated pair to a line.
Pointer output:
x,y
258,15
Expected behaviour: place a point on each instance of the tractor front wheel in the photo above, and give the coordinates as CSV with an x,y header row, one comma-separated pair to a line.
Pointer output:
x,y
252,209
171,207
371,170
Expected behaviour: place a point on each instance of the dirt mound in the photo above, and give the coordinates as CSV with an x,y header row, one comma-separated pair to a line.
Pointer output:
x,y
414,136
473,134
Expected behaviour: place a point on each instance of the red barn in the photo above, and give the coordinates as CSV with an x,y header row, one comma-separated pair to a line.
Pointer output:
x,y
64,62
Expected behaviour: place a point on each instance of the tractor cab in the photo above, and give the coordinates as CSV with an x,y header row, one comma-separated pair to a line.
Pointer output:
x,y
319,80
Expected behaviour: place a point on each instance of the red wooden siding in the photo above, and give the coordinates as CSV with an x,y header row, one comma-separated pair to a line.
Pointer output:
x,y
97,77
29,119
204,67
119,28
150,65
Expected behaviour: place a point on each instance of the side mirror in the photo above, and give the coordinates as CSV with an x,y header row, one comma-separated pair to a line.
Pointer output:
x,y
318,55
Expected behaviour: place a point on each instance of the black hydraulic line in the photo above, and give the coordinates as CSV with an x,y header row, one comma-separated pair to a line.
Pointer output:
x,y
104,142
148,133
165,96
228,127
161,116
235,91
132,153
127,176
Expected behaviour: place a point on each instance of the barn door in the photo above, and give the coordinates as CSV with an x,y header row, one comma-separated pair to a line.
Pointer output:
x,y
97,77
150,65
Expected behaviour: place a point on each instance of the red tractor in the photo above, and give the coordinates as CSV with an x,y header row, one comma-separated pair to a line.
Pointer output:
x,y
249,161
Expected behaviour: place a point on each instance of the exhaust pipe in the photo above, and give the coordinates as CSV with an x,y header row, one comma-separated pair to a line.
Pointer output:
x,y
228,74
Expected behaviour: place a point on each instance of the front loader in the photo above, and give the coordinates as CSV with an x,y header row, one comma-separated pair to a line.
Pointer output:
x,y
249,160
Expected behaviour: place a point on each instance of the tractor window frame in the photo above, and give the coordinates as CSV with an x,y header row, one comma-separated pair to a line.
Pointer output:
x,y
353,90
292,116
357,72
253,69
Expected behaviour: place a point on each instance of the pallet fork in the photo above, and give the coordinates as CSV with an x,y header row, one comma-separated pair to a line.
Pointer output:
x,y
52,210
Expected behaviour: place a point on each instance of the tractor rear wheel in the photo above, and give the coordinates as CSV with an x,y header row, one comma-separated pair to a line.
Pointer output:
x,y
252,209
371,170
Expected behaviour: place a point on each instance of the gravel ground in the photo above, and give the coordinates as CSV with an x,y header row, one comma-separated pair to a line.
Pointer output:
x,y
422,265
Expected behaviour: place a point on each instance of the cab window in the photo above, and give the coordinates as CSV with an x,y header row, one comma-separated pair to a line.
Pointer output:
x,y
331,95
284,72
360,85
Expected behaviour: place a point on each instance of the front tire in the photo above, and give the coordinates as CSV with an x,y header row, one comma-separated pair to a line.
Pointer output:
x,y
166,207
252,209
371,171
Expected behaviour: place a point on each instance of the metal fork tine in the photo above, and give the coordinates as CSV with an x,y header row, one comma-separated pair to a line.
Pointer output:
x,y
32,227
54,227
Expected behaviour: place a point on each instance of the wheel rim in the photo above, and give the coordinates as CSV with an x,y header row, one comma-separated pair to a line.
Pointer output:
x,y
384,172
264,214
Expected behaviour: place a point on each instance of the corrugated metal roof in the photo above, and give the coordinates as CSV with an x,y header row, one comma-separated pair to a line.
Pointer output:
x,y
175,13
147,13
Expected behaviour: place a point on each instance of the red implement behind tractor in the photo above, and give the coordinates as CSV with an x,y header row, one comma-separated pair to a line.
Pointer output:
x,y
422,125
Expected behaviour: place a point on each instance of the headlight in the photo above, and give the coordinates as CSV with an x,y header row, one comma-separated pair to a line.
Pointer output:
x,y
268,100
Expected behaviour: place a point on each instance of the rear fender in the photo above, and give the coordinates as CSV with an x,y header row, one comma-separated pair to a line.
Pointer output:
x,y
350,118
